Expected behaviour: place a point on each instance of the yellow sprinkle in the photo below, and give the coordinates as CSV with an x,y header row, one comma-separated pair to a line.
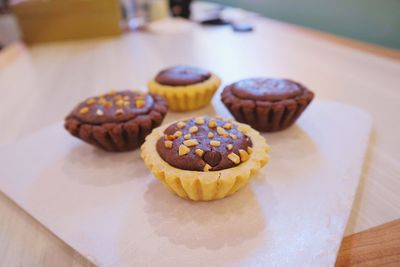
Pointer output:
x,y
249,150
221,131
212,124
199,152
229,146
119,103
91,101
206,167
191,142
215,143
234,158
102,101
140,103
177,134
187,136
108,104
210,135
193,129
170,137
234,137
84,110
199,120
227,126
168,144
220,117
243,155
181,124
127,103
183,150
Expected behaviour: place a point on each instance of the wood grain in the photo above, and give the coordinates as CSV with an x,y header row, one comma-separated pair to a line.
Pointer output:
x,y
379,246
25,242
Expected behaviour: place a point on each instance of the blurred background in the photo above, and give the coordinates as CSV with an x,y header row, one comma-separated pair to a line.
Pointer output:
x,y
371,21
35,21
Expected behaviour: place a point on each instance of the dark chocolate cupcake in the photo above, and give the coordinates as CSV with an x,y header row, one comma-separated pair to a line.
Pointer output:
x,y
267,105
117,121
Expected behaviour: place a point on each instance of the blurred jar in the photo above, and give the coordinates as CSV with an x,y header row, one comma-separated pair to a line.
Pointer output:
x,y
180,8
137,13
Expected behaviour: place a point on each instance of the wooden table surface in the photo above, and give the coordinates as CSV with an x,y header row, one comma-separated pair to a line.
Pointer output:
x,y
378,246
41,84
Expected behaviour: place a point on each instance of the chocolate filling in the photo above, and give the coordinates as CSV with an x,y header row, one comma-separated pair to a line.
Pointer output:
x,y
182,75
263,89
113,107
204,144
118,121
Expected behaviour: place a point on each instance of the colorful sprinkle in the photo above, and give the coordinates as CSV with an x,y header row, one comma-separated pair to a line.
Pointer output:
x,y
183,150
206,167
244,156
215,143
91,101
193,129
84,110
168,144
234,158
191,142
212,124
199,152
181,124
199,120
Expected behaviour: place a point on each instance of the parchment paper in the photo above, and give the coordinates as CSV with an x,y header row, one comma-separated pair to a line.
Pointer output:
x,y
111,209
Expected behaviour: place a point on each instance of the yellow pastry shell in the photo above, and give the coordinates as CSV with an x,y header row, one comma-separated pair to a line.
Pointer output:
x,y
196,185
189,97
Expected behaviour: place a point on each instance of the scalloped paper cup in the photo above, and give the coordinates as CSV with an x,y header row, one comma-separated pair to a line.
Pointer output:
x,y
196,185
185,98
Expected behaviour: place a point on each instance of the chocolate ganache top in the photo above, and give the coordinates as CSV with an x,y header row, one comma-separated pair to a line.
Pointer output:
x,y
113,107
182,75
265,89
204,144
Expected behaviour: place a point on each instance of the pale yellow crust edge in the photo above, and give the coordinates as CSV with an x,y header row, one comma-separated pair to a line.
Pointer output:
x,y
203,186
185,98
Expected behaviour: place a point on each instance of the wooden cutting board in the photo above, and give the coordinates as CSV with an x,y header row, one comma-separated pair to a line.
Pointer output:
x,y
110,208
378,246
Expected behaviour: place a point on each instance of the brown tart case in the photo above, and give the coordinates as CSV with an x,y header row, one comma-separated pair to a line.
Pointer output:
x,y
267,105
116,121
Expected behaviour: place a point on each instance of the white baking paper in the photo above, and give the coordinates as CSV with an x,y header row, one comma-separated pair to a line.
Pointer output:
x,y
110,208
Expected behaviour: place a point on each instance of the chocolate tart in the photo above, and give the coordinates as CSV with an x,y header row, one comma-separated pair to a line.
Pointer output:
x,y
267,105
204,158
116,121
185,88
